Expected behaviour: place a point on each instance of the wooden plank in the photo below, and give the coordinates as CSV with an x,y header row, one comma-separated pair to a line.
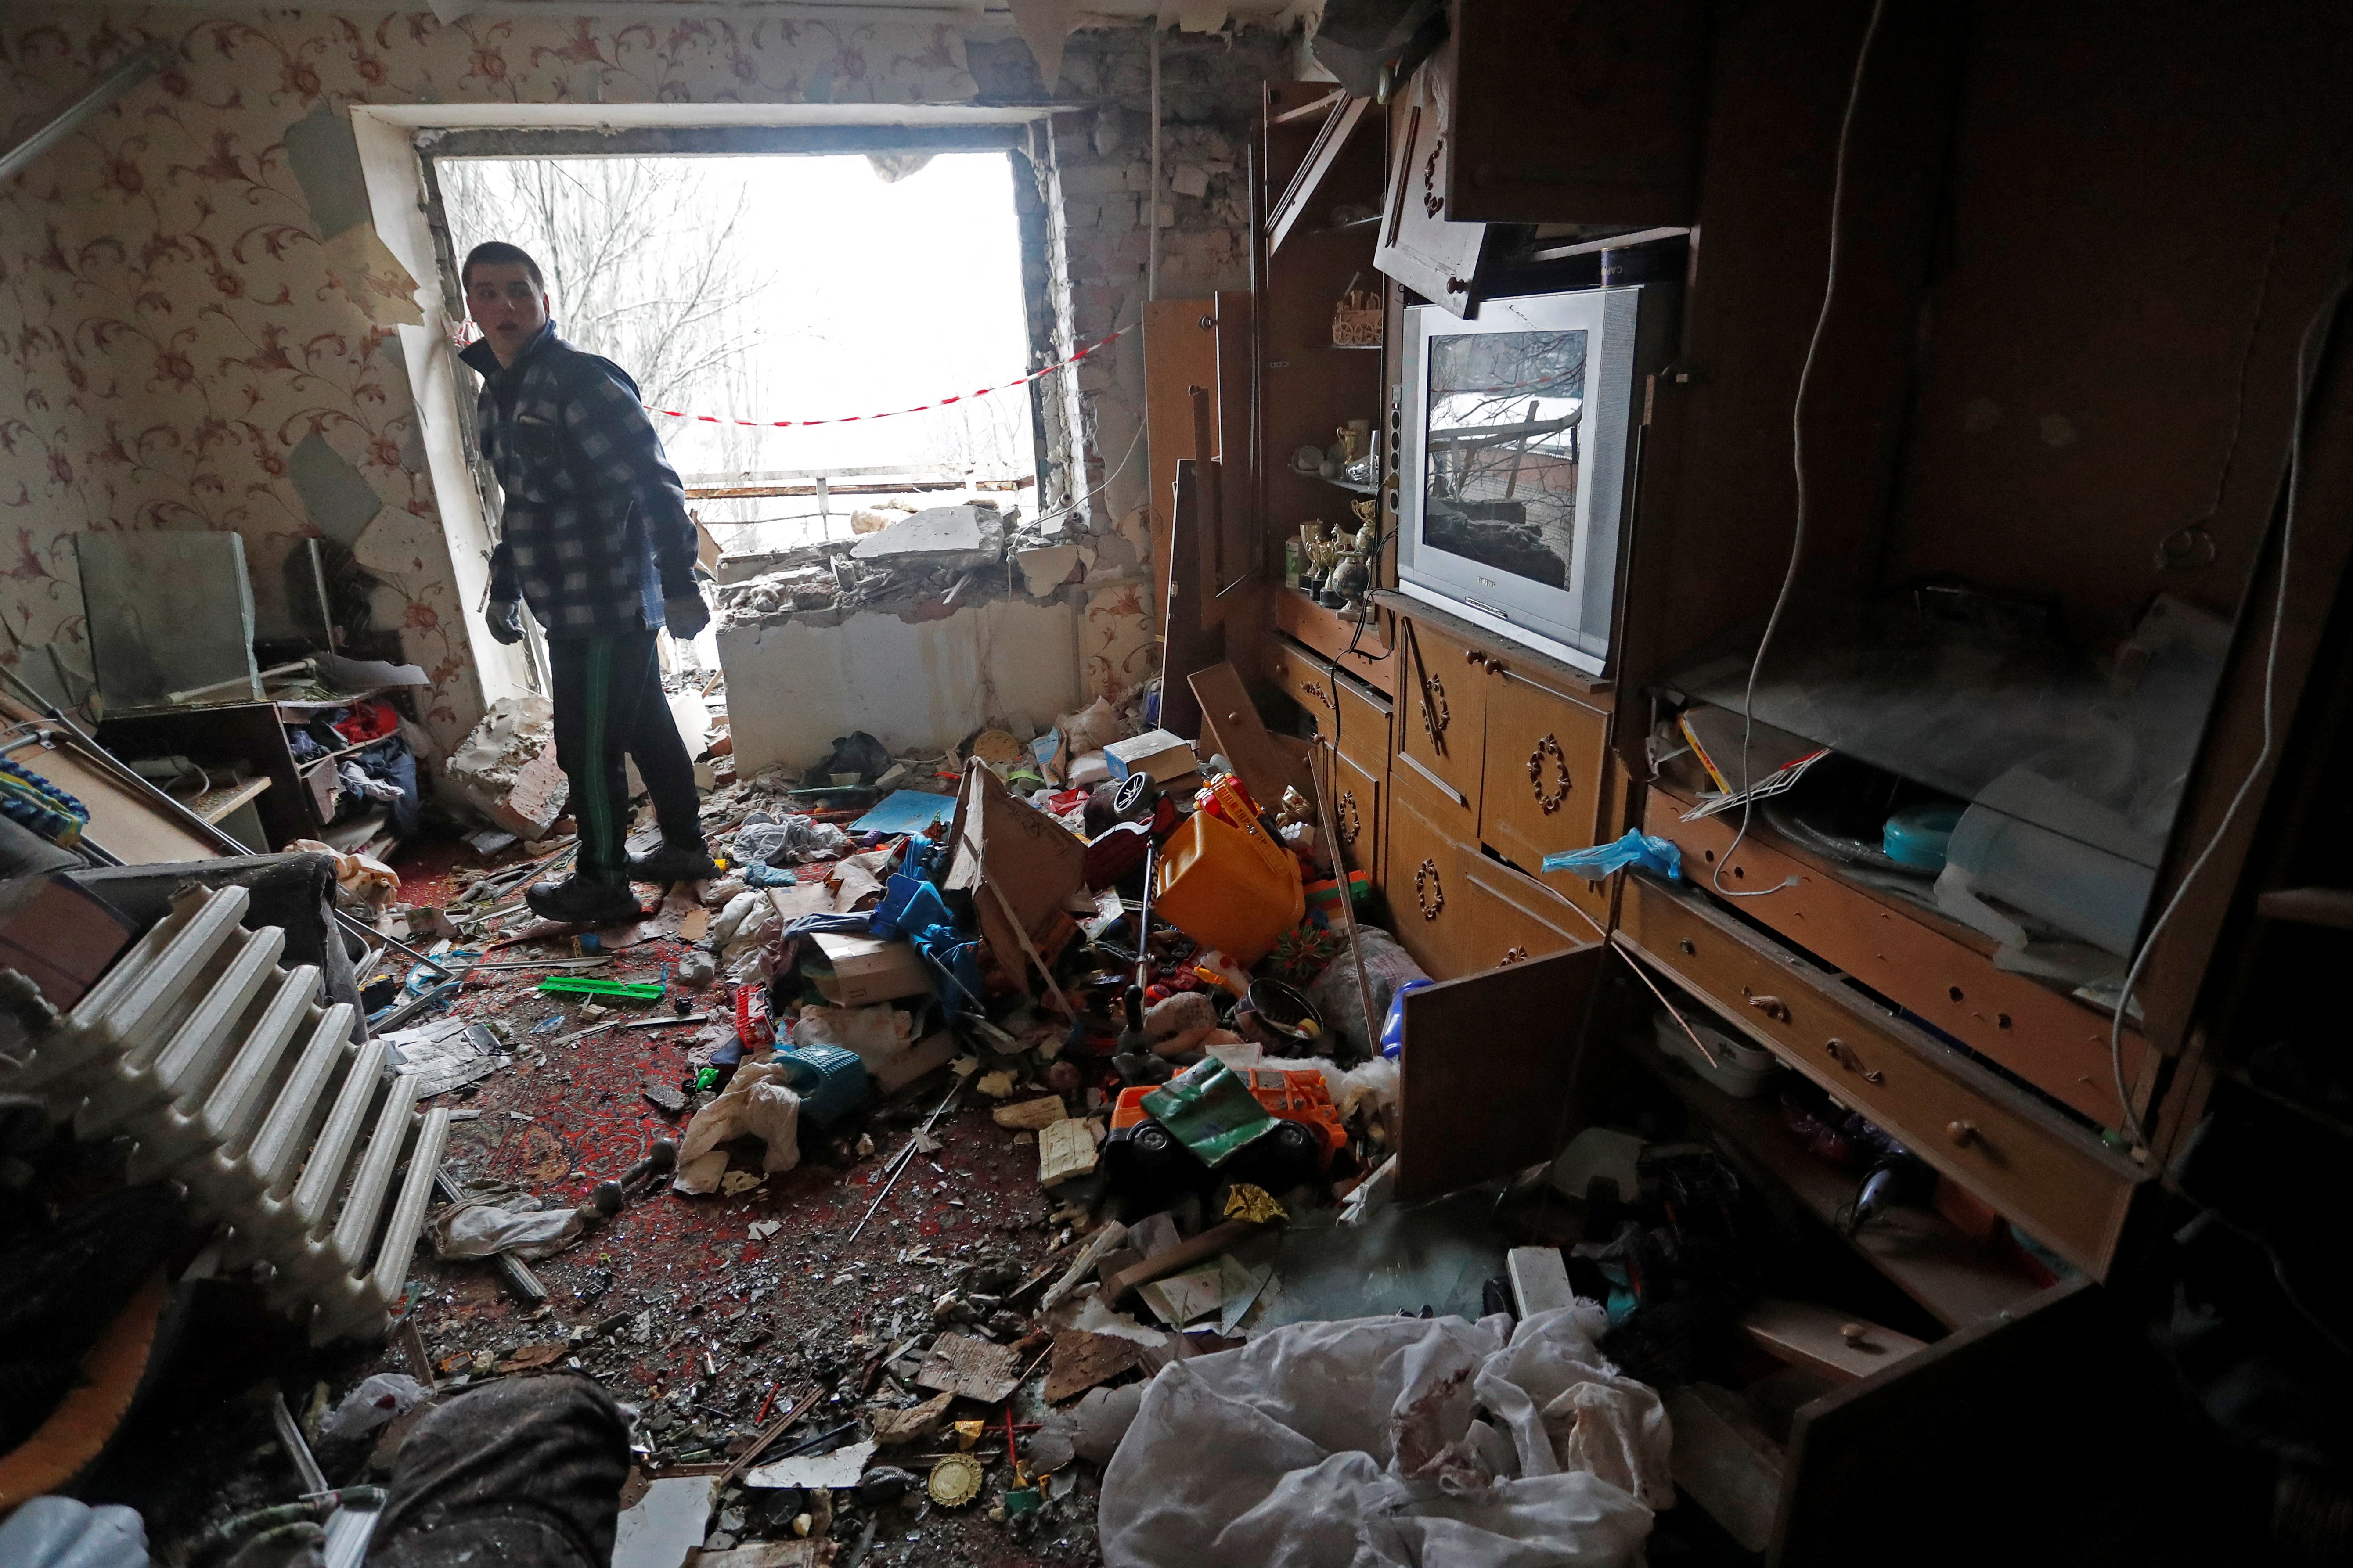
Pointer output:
x,y
1486,1070
1179,352
2034,1166
1837,1344
1189,643
1223,1236
2058,1045
1231,725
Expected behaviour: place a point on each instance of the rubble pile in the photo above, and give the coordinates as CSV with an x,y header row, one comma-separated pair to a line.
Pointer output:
x,y
882,1178
950,555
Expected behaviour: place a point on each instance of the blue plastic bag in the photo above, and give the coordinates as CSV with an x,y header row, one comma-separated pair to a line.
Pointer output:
x,y
1637,848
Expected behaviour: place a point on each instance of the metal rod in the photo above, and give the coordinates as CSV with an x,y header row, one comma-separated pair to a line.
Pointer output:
x,y
254,679
1347,904
112,86
906,1158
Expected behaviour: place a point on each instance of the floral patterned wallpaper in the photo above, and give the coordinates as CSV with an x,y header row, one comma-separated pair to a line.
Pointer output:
x,y
176,319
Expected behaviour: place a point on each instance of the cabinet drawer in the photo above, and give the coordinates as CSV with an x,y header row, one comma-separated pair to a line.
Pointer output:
x,y
1363,718
1546,773
2053,1043
1441,713
2052,1178
1335,702
1511,917
1427,908
1356,811
1302,679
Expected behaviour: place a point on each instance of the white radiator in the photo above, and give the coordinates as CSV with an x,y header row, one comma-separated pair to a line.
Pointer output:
x,y
218,1068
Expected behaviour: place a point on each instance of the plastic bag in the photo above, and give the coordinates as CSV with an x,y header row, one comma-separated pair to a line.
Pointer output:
x,y
1392,1441
756,1103
373,1404
478,1227
1637,848
1334,992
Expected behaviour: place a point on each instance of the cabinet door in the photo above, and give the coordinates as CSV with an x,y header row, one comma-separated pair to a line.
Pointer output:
x,y
2040,1407
1356,811
1442,718
1547,753
1487,1065
1420,245
1588,114
1426,908
1509,918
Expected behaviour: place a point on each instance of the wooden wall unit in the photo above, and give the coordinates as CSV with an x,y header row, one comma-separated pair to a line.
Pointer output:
x,y
2032,376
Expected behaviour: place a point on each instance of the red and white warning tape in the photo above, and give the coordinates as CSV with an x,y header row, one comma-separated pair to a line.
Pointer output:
x,y
893,413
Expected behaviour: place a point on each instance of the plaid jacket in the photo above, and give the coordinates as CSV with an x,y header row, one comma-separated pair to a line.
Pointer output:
x,y
596,534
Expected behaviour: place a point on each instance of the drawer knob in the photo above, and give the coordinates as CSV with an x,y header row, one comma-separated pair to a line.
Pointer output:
x,y
1777,1010
1429,893
1856,1335
1349,821
1961,1133
1474,657
1515,955
1688,946
1548,751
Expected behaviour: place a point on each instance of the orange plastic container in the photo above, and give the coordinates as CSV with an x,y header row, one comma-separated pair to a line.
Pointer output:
x,y
1228,887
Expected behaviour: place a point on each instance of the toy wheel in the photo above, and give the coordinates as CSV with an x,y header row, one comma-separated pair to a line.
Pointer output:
x,y
1154,1140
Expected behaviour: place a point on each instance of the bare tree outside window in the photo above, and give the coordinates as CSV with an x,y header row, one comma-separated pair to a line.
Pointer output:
x,y
783,287
638,255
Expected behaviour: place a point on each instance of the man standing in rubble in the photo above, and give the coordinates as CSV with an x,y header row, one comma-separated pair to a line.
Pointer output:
x,y
597,539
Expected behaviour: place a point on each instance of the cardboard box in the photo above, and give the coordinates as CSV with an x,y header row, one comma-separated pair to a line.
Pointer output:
x,y
854,971
1156,752
1019,864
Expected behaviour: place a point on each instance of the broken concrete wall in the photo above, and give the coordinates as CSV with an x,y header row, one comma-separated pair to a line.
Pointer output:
x,y
912,682
1098,170
198,323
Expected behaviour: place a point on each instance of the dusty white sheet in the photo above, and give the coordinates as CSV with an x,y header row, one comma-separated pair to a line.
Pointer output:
x,y
1379,1441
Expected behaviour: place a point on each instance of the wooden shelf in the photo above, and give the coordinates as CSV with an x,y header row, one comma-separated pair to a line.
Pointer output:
x,y
216,804
1959,1281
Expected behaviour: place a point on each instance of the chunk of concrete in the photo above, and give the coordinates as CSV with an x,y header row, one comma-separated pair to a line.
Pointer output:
x,y
943,538
665,1523
1045,568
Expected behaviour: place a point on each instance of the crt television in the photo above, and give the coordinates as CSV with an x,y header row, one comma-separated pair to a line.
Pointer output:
x,y
1517,460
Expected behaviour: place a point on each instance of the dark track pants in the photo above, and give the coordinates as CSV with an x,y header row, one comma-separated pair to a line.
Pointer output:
x,y
609,704
525,1473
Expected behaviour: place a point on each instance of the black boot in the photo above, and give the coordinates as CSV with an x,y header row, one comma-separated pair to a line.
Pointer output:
x,y
673,863
577,901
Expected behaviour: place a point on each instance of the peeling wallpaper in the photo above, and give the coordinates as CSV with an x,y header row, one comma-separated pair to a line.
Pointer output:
x,y
189,299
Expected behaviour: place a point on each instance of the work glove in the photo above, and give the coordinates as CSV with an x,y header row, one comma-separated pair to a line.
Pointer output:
x,y
505,616
686,616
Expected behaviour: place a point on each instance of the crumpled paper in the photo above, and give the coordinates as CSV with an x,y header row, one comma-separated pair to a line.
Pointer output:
x,y
480,1226
1386,1442
755,1102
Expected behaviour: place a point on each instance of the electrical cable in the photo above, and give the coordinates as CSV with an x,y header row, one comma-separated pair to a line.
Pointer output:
x,y
1798,458
2316,333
